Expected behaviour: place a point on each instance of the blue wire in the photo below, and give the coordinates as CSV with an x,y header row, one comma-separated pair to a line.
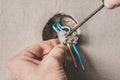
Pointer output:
x,y
66,27
78,53
57,27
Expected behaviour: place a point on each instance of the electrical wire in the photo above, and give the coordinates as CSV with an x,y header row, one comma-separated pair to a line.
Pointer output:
x,y
57,27
78,55
71,53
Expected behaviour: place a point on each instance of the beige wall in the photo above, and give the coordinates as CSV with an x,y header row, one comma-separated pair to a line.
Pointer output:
x,y
22,21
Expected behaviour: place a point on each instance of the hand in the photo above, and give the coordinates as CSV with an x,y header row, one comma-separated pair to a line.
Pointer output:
x,y
41,61
112,3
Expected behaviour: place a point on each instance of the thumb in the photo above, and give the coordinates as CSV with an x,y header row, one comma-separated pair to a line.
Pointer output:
x,y
58,53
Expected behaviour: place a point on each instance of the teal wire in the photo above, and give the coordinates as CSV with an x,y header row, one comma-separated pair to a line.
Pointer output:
x,y
57,27
78,54
66,27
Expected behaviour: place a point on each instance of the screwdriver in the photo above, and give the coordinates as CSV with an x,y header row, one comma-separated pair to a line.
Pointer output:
x,y
86,19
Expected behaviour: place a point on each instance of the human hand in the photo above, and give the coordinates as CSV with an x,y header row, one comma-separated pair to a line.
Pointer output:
x,y
41,61
112,3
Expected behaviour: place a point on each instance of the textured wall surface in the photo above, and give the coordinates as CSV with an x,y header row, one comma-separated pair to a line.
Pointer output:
x,y
22,21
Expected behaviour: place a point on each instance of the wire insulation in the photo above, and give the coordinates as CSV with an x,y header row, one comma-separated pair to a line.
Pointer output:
x,y
78,55
71,53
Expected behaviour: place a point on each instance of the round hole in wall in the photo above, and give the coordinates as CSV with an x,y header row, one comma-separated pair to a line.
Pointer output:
x,y
64,19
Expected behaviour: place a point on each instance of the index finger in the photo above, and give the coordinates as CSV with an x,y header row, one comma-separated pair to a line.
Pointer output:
x,y
40,49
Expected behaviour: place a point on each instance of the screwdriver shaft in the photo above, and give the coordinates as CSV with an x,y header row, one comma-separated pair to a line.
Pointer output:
x,y
86,19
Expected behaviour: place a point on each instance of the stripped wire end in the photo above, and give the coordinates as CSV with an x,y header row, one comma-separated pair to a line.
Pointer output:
x,y
75,64
83,67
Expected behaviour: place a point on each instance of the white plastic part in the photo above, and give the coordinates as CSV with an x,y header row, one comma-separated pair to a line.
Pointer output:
x,y
61,36
70,39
